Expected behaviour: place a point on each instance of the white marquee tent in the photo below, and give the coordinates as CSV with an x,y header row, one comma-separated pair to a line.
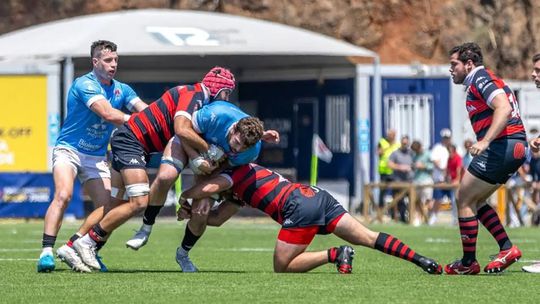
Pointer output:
x,y
172,45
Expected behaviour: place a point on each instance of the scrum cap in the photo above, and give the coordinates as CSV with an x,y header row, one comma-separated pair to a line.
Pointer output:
x,y
218,79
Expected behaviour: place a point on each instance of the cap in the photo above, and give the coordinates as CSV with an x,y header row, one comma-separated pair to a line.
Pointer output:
x,y
446,133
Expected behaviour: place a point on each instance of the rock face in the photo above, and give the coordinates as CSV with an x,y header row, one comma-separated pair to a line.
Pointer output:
x,y
401,31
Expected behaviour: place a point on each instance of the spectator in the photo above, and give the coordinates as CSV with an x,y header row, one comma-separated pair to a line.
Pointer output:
x,y
386,146
439,156
401,162
423,167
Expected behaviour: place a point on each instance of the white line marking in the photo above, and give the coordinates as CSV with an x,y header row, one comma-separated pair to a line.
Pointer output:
x,y
246,249
18,249
14,260
437,240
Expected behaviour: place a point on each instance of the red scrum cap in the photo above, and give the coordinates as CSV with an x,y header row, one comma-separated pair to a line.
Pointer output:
x,y
218,79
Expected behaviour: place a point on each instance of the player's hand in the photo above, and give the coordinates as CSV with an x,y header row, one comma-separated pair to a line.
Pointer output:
x,y
202,166
202,208
215,154
478,148
535,145
184,212
271,136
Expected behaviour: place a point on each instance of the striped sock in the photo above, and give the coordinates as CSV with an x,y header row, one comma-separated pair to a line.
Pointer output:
x,y
490,219
468,227
391,245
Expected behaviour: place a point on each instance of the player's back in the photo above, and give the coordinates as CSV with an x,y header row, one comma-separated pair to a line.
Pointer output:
x,y
154,126
261,188
214,121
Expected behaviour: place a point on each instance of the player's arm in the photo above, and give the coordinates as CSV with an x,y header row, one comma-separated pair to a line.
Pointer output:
x,y
501,111
222,214
104,110
207,188
271,136
216,217
198,163
138,105
183,128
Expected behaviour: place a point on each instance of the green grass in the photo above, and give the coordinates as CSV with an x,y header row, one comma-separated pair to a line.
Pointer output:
x,y
235,263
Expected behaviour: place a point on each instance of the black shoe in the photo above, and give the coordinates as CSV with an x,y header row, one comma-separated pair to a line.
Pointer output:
x,y
345,255
430,266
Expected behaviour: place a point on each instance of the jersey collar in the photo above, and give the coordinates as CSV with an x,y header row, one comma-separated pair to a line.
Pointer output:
x,y
468,79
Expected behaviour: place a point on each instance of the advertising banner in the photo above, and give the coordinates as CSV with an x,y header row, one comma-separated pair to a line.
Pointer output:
x,y
28,195
23,123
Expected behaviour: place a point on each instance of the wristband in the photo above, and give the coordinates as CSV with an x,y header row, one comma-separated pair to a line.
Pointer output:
x,y
126,117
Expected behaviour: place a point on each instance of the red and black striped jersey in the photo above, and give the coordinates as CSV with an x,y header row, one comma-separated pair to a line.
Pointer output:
x,y
261,188
482,87
154,126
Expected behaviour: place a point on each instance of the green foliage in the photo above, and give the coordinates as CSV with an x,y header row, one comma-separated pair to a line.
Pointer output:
x,y
236,267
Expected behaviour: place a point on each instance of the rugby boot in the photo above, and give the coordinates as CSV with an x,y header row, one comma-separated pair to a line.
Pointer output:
x,y
70,257
182,258
87,253
429,266
46,262
345,255
457,267
504,259
139,239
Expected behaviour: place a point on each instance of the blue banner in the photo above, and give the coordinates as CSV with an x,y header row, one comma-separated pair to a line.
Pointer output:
x,y
28,195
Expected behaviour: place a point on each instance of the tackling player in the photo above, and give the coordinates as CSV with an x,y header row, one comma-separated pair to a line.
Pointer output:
x,y
303,211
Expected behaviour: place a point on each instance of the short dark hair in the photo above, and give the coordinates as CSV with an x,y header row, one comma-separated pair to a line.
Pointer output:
x,y
251,130
468,51
536,57
100,45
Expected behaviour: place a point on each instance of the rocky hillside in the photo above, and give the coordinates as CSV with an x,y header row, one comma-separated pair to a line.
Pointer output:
x,y
401,31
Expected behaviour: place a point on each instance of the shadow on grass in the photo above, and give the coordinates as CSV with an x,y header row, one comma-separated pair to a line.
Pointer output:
x,y
169,271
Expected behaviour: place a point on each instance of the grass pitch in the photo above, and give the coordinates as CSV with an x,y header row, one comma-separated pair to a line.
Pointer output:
x,y
235,263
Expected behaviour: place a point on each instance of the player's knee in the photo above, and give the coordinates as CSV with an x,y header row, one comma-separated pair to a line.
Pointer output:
x,y
171,167
165,179
62,198
279,267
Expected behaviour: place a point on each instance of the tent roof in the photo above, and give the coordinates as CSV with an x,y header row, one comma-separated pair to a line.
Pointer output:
x,y
171,32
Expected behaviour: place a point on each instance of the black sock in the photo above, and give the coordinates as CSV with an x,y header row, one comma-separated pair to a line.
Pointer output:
x,y
393,246
468,228
332,254
100,244
489,218
150,214
48,240
189,239
72,239
97,233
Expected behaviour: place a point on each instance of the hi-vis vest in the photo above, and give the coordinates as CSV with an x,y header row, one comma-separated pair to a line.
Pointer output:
x,y
387,150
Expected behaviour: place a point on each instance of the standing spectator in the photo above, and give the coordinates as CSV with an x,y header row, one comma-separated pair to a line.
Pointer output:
x,y
453,176
498,153
401,162
439,157
386,146
423,167
467,157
